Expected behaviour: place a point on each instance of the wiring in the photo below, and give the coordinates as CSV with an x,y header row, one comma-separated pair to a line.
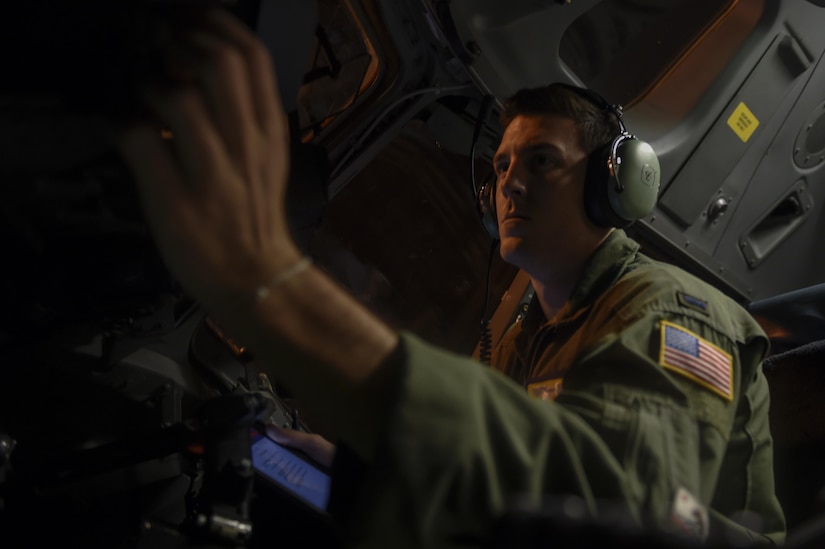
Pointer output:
x,y
486,337
483,112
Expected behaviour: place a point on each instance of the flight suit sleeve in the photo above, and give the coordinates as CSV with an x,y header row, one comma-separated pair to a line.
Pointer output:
x,y
463,442
747,469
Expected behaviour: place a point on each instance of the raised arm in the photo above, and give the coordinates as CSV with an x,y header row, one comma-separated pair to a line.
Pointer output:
x,y
213,196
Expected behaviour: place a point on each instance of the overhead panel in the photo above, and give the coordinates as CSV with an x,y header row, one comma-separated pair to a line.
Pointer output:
x,y
746,204
771,80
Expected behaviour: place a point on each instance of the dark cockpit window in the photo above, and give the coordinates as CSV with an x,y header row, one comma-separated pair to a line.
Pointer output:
x,y
406,239
403,235
627,46
344,67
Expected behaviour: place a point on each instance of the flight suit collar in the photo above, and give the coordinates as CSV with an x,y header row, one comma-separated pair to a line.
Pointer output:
x,y
607,264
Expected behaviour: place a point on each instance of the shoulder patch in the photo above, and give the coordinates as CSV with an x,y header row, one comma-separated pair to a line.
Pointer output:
x,y
693,302
696,358
689,516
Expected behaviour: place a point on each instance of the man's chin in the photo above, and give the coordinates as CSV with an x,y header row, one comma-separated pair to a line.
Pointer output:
x,y
511,250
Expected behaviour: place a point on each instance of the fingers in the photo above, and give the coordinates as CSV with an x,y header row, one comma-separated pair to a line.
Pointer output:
x,y
262,104
155,172
251,66
290,437
231,70
225,82
199,149
234,115
213,194
315,446
262,79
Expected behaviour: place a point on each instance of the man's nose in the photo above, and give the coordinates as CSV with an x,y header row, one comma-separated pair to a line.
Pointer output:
x,y
512,182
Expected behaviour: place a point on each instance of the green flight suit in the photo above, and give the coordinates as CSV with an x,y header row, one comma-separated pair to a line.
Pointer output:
x,y
606,345
629,427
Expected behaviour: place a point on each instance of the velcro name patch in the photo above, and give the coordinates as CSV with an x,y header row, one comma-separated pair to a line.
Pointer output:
x,y
547,389
693,302
696,358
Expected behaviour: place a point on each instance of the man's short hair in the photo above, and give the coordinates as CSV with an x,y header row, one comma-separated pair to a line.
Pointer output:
x,y
597,125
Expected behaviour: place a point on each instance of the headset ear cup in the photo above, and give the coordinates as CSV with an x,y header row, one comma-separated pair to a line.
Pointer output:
x,y
634,188
626,193
486,202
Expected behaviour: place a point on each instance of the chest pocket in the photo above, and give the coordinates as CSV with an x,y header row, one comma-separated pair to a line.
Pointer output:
x,y
654,439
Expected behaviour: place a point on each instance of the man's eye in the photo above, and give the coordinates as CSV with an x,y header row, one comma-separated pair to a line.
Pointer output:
x,y
542,161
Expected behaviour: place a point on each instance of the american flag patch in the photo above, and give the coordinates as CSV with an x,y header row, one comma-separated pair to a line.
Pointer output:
x,y
688,354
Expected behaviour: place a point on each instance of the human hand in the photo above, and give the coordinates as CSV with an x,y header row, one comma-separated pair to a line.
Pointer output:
x,y
213,195
315,446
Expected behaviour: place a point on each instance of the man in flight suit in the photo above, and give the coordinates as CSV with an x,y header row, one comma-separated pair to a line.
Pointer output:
x,y
447,443
660,364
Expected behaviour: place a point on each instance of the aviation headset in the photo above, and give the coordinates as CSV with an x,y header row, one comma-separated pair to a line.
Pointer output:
x,y
622,181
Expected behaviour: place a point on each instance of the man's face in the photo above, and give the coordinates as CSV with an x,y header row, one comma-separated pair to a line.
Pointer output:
x,y
540,167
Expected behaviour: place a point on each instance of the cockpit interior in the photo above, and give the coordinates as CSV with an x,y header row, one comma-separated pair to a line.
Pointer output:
x,y
120,398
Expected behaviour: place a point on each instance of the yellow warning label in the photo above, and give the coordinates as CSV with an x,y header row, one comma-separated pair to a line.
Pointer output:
x,y
743,122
